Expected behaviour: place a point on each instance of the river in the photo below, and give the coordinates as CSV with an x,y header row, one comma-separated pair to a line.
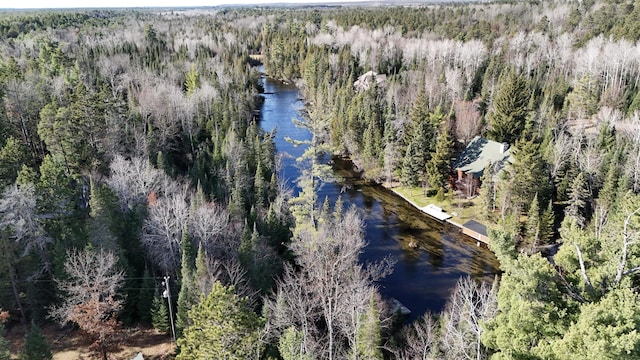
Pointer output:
x,y
423,276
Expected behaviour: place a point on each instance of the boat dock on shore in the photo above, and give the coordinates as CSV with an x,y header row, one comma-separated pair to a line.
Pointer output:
x,y
471,228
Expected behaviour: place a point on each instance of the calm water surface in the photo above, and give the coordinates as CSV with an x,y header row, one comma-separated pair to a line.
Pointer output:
x,y
423,276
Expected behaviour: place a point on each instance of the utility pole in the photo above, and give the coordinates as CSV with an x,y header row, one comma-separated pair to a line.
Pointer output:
x,y
167,294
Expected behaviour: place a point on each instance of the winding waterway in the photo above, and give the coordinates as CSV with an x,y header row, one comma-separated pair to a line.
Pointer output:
x,y
423,276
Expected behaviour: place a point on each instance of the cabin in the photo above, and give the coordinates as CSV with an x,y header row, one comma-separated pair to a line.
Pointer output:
x,y
476,230
470,164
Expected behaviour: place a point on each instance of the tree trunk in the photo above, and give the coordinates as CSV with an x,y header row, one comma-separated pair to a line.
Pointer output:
x,y
16,295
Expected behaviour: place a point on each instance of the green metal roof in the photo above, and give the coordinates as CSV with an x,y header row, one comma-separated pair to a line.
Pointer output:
x,y
479,153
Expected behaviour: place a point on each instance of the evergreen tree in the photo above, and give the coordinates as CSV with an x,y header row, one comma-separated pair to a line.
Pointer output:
x,y
12,158
606,137
438,165
527,318
277,229
100,202
162,163
187,296
290,345
369,334
563,181
260,186
424,136
202,277
199,198
223,327
509,109
533,222
487,191
420,110
440,195
338,210
246,249
607,329
578,196
531,128
5,348
54,187
635,104
528,175
547,224
145,297
411,170
160,315
583,100
192,81
36,346
372,143
325,212
608,194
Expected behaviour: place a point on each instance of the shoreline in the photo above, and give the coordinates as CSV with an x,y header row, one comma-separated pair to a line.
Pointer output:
x,y
449,220
454,223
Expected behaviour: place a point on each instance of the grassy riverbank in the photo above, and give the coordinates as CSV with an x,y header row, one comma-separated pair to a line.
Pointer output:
x,y
461,209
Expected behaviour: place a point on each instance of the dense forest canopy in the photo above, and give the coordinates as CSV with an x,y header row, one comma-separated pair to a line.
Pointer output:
x,y
131,150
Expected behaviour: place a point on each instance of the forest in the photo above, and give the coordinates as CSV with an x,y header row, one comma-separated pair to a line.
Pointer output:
x,y
132,162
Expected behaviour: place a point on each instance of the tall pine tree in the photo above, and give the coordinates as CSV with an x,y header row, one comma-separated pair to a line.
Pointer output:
x,y
579,195
438,165
223,327
487,192
369,334
509,108
36,346
533,222
547,224
411,170
160,314
187,296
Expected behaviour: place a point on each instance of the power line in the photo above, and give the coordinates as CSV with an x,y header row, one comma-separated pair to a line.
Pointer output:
x,y
6,282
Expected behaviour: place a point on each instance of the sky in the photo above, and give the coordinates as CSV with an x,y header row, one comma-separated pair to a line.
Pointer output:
x,y
48,4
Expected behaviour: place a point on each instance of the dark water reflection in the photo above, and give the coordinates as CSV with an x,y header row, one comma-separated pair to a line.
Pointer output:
x,y
423,276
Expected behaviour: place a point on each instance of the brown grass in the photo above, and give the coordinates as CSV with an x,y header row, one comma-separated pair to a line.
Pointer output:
x,y
69,344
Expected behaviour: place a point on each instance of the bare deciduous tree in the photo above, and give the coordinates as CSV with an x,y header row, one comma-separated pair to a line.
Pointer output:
x,y
229,272
590,158
114,69
18,212
469,306
293,305
21,231
162,230
558,155
630,237
91,295
331,285
136,179
207,223
467,120
420,340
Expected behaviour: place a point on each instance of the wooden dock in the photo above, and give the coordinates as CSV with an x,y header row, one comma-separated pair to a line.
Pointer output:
x,y
471,228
